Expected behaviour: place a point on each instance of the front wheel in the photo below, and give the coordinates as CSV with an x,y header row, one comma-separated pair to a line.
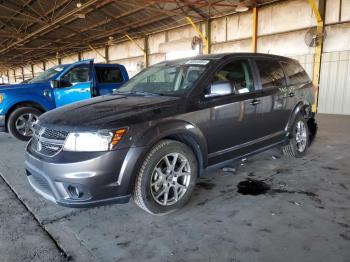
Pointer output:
x,y
166,178
21,121
300,139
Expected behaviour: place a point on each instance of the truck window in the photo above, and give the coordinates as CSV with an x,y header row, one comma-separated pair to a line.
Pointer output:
x,y
295,73
271,73
77,75
107,75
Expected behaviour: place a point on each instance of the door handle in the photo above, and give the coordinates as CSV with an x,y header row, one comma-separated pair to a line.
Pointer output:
x,y
84,90
291,94
255,102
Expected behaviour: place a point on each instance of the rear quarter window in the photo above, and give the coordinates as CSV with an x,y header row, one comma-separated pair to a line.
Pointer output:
x,y
107,75
295,73
271,73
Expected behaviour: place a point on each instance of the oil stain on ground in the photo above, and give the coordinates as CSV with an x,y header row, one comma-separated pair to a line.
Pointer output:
x,y
256,187
252,187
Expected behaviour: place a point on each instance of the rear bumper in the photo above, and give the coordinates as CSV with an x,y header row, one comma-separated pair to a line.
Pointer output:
x,y
2,123
99,178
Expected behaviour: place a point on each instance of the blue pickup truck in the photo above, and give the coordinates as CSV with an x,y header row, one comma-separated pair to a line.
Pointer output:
x,y
22,104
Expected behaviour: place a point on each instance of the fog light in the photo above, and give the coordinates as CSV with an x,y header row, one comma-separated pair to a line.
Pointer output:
x,y
74,191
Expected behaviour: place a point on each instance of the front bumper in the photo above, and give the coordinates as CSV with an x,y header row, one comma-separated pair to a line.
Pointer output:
x,y
99,178
2,123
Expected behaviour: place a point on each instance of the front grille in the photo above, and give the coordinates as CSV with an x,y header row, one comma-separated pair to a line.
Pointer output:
x,y
47,142
50,133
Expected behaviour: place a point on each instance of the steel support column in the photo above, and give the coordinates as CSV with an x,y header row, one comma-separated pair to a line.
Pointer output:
x,y
32,68
255,30
319,14
204,38
107,54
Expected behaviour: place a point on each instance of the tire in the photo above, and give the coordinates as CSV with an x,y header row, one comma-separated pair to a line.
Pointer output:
x,y
23,116
299,142
145,195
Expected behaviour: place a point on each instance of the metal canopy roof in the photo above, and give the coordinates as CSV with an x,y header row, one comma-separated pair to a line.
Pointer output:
x,y
34,30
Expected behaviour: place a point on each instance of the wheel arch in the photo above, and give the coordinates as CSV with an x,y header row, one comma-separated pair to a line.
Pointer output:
x,y
303,108
23,104
179,130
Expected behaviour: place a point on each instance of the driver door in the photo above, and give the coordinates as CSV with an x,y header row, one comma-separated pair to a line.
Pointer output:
x,y
232,111
75,84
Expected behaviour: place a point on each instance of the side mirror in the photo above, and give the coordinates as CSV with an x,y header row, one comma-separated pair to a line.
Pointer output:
x,y
60,83
219,89
55,83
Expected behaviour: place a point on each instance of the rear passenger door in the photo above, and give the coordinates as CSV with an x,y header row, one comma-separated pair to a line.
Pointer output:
x,y
297,80
272,108
108,78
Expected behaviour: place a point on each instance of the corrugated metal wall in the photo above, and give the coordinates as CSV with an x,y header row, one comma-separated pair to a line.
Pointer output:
x,y
334,94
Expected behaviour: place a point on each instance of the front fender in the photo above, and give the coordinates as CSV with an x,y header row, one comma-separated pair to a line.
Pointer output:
x,y
42,101
174,129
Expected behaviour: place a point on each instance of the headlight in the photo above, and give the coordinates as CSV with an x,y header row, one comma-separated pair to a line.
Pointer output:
x,y
93,141
1,98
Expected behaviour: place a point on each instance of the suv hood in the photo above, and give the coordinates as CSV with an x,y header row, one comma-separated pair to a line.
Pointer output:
x,y
113,111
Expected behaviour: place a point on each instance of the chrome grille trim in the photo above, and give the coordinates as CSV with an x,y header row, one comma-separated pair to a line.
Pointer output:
x,y
47,142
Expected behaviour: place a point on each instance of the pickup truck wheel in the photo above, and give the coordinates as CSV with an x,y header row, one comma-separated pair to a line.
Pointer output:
x,y
166,178
20,122
300,139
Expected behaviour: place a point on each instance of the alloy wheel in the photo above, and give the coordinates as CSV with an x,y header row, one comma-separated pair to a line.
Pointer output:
x,y
24,124
170,179
301,136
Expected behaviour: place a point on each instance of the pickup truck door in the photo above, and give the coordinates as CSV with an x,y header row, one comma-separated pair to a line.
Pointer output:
x,y
75,84
109,78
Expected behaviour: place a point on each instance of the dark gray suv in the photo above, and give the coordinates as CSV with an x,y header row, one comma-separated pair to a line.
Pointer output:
x,y
167,126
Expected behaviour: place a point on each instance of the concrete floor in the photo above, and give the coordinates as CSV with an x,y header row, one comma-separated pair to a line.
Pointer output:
x,y
305,217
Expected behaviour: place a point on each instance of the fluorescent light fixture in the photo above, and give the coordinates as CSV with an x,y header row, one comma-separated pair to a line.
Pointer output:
x,y
241,8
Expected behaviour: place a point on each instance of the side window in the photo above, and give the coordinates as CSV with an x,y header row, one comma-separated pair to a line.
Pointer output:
x,y
295,73
107,75
271,73
234,78
77,75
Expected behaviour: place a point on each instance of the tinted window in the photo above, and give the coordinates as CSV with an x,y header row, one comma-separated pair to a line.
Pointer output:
x,y
295,73
271,73
108,75
47,75
77,75
171,78
237,75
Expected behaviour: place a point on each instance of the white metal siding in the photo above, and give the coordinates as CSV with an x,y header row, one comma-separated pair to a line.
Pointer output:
x,y
334,93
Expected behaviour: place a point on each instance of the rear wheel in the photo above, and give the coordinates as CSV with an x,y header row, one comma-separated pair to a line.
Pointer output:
x,y
300,139
166,178
21,121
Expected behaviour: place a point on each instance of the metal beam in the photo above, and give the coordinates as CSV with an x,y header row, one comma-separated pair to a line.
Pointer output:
x,y
319,14
201,35
255,30
97,52
143,49
53,23
23,19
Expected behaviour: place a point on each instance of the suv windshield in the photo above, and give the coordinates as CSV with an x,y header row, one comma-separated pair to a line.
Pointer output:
x,y
168,78
47,75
